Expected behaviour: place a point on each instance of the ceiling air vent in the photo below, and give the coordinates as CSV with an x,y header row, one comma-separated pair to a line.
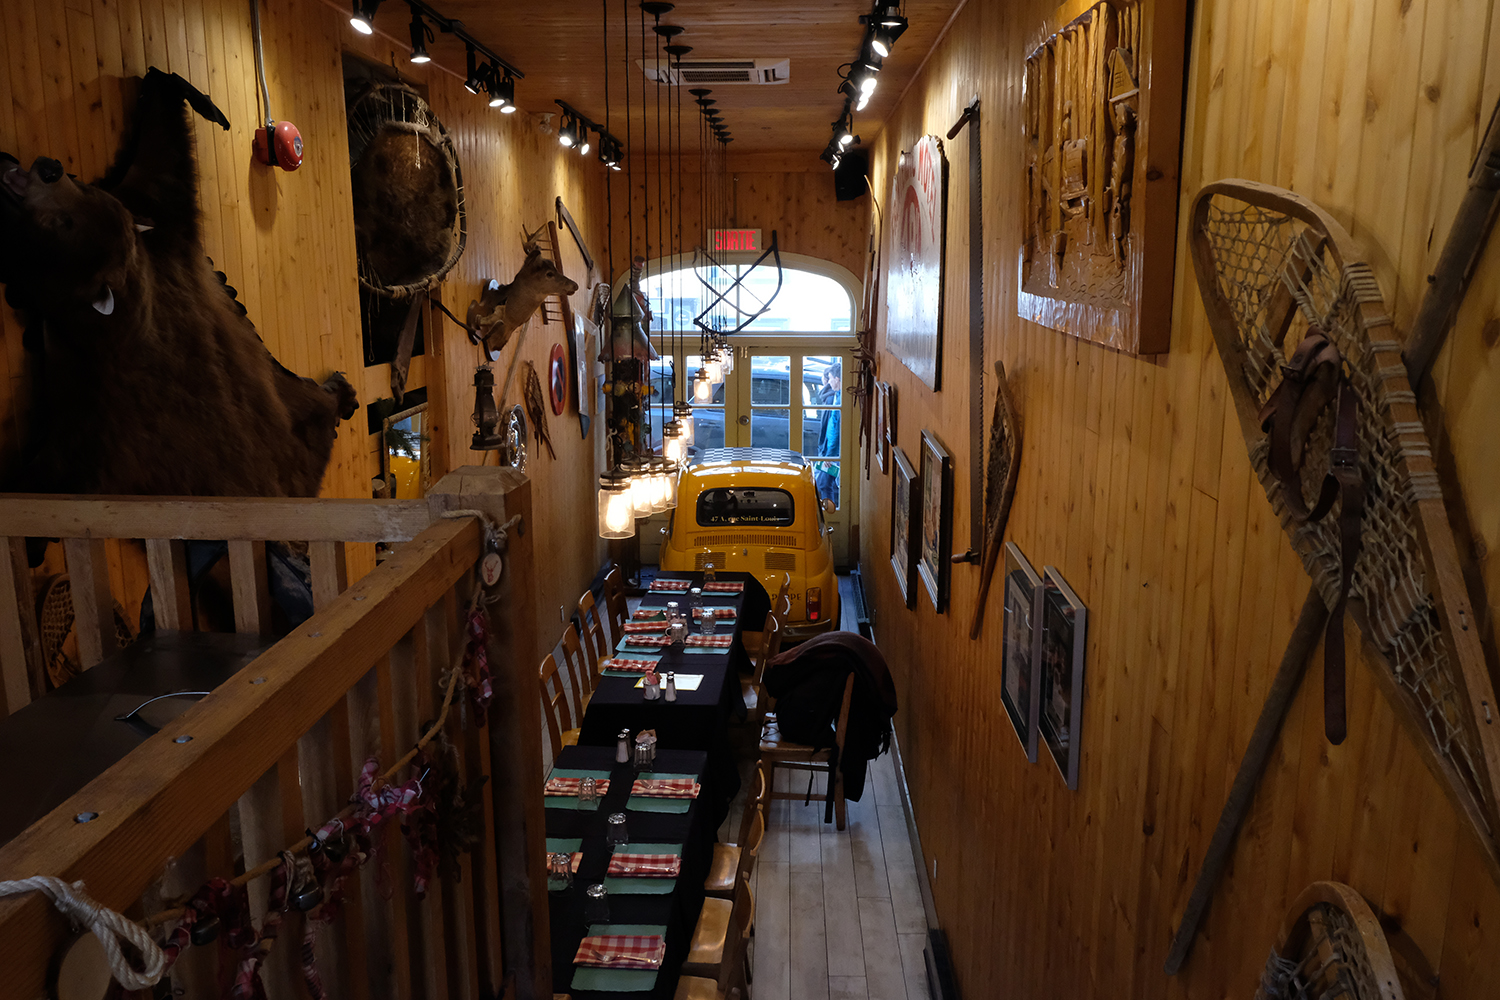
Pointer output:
x,y
720,71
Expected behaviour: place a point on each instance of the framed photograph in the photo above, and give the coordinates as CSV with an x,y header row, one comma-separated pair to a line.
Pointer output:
x,y
914,279
937,520
881,435
1064,632
1020,652
904,506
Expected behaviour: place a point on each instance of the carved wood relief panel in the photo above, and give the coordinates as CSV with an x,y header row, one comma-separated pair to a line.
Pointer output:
x,y
1099,228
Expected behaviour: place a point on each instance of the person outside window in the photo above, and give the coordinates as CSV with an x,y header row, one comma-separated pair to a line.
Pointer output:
x,y
826,474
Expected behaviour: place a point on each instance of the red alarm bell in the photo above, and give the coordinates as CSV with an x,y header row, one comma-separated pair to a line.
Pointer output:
x,y
285,148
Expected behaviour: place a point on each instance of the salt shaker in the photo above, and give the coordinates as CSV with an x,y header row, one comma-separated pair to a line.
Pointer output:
x,y
622,747
671,689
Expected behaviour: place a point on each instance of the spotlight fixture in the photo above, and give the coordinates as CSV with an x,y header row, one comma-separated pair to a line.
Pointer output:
x,y
473,80
421,34
885,27
568,134
363,20
502,90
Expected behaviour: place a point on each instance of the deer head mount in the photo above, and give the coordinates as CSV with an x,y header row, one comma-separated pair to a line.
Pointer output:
x,y
503,309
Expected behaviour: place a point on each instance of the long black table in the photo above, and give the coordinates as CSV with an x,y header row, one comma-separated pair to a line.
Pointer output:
x,y
678,911
697,720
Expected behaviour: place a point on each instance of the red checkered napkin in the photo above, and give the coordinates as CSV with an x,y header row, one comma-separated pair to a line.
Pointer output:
x,y
671,586
666,788
569,786
649,615
645,865
638,639
711,641
717,613
636,628
724,587
622,951
624,664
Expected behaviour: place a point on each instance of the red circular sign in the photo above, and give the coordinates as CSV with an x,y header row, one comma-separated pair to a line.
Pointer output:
x,y
557,370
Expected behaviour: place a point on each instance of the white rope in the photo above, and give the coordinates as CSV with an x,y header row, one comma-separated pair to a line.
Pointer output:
x,y
107,925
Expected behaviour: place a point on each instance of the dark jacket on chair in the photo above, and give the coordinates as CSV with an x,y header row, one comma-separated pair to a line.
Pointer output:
x,y
807,682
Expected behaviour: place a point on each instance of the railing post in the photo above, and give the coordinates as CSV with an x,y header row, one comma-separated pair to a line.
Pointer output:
x,y
515,730
23,675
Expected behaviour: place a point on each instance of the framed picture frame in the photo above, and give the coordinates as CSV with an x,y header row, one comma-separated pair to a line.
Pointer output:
x,y
405,458
916,234
905,504
933,562
881,435
1020,651
1064,634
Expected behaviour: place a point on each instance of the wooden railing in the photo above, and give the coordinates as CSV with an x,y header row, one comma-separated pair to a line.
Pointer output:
x,y
278,748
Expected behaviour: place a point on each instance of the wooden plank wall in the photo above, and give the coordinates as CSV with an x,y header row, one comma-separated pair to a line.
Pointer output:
x,y
286,241
788,192
1135,483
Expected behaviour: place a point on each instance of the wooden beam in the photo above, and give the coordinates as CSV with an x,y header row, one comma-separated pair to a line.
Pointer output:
x,y
22,672
93,603
252,593
171,600
160,798
312,520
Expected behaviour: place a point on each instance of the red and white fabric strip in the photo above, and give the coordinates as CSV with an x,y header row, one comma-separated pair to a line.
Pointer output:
x,y
627,664
645,865
724,587
666,788
711,641
569,786
622,951
635,628
656,641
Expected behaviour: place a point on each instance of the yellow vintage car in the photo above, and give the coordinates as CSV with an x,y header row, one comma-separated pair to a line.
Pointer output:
x,y
756,510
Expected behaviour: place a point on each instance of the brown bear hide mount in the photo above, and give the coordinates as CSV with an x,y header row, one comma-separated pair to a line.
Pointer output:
x,y
153,380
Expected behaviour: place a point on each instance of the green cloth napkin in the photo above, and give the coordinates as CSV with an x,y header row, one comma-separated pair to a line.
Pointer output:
x,y
648,804
586,977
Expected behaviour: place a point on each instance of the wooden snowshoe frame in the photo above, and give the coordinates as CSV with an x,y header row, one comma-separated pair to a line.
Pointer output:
x,y
1269,264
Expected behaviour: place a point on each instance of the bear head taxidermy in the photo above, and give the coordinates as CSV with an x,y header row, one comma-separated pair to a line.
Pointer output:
x,y
152,379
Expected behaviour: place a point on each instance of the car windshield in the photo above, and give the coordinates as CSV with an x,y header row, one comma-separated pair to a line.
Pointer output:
x,y
740,505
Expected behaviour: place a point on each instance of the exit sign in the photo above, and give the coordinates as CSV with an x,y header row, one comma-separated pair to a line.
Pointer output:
x,y
734,239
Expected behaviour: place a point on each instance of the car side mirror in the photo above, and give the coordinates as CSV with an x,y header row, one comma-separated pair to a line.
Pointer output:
x,y
829,507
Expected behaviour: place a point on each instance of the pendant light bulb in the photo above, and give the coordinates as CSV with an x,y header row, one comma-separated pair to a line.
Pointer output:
x,y
703,389
616,514
715,369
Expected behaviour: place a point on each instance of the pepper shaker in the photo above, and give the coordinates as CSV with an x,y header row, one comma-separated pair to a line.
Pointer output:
x,y
671,690
622,747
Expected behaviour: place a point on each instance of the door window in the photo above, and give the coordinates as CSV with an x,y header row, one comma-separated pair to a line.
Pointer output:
x,y
708,418
823,420
770,401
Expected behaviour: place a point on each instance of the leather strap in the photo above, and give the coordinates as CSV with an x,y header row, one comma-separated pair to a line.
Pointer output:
x,y
1312,378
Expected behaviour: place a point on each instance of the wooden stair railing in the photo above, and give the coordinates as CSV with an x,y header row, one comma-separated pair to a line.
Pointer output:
x,y
278,749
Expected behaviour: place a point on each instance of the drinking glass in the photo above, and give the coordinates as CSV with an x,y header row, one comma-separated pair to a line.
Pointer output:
x,y
588,794
708,572
559,872
616,834
595,904
708,622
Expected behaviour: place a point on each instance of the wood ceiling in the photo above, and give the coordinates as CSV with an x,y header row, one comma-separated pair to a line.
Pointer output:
x,y
559,45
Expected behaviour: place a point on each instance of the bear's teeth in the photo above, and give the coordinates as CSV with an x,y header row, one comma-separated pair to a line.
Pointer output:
x,y
106,302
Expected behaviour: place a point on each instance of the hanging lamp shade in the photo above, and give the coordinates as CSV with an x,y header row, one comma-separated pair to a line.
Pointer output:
x,y
726,358
715,369
684,414
672,448
661,489
674,475
640,486
616,511
703,389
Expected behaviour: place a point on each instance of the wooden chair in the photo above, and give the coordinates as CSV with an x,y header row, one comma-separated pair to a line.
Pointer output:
x,y
582,677
730,860
776,752
560,728
591,625
615,605
781,603
718,957
753,688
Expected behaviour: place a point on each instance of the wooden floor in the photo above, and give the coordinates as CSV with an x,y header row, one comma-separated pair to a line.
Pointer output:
x,y
838,916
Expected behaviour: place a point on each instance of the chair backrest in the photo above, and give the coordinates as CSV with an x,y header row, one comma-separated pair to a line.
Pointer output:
x,y
843,726
737,940
615,604
554,705
754,804
591,627
750,848
770,645
580,675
